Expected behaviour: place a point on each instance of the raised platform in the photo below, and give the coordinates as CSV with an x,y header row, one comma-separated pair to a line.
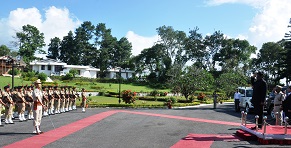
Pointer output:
x,y
274,134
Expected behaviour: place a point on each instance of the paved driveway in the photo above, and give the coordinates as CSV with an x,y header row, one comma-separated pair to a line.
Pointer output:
x,y
133,128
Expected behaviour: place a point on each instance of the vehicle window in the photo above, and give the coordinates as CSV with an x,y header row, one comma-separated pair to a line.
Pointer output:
x,y
242,92
249,93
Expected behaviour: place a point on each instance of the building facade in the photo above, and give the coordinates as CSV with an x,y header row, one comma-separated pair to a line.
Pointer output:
x,y
52,67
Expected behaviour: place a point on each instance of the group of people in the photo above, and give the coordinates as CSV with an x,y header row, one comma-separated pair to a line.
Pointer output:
x,y
282,100
38,101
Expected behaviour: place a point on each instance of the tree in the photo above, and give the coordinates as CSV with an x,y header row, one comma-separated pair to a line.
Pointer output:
x,y
74,72
121,53
4,50
189,80
213,44
234,54
68,52
30,41
42,76
271,59
86,50
54,48
105,43
173,42
229,81
195,48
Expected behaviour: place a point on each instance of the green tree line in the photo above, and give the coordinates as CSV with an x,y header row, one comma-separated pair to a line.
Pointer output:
x,y
225,62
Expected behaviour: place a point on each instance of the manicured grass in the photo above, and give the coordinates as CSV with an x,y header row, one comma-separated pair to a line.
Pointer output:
x,y
89,86
102,101
17,81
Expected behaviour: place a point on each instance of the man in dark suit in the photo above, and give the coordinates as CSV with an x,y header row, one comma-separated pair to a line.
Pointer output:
x,y
287,104
259,95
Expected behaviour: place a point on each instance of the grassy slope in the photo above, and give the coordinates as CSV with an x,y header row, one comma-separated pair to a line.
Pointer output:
x,y
106,86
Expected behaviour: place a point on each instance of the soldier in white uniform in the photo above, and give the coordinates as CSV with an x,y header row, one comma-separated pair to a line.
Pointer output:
x,y
1,103
29,100
21,104
9,105
84,99
57,99
51,101
37,106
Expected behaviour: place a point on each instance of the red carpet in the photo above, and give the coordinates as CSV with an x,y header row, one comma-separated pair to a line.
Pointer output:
x,y
58,133
273,135
202,140
185,118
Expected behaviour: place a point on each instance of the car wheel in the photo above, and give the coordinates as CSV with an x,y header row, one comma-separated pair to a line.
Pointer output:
x,y
247,109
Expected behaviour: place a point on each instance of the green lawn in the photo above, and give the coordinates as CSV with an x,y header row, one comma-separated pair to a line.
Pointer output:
x,y
114,100
89,86
17,81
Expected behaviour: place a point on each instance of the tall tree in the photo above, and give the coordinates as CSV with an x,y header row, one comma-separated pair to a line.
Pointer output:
x,y
104,42
54,48
121,53
234,54
68,52
4,50
173,42
83,39
31,41
269,60
213,44
195,48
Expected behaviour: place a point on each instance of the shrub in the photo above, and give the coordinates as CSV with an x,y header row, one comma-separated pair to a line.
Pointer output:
x,y
74,72
16,72
163,93
42,76
201,97
172,99
82,83
68,76
128,96
154,93
101,93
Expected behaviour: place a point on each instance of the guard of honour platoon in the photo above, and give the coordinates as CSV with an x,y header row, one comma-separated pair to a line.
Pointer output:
x,y
32,103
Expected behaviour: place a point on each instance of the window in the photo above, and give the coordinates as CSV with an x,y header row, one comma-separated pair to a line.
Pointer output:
x,y
49,67
42,67
249,93
58,68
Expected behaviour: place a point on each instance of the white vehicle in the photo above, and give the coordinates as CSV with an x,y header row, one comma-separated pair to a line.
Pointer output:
x,y
246,97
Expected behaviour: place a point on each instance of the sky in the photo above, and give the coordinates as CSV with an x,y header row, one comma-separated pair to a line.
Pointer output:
x,y
258,21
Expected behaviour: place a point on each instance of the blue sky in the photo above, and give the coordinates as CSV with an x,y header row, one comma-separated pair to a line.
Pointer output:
x,y
258,21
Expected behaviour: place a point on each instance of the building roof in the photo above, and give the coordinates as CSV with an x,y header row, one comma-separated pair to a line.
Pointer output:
x,y
47,62
21,62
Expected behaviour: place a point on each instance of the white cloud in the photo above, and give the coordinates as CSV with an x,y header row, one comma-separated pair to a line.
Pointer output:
x,y
57,22
139,42
269,24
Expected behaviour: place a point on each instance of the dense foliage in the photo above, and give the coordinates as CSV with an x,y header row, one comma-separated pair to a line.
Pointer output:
x,y
185,62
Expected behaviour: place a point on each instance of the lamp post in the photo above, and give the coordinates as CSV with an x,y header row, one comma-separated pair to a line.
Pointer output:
x,y
13,63
119,84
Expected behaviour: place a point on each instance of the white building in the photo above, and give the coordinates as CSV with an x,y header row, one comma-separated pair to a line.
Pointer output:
x,y
125,74
52,67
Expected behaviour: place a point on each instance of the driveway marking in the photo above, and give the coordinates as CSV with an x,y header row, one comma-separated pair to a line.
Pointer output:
x,y
203,140
63,131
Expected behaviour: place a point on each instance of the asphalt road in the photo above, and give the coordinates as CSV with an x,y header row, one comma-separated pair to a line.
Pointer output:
x,y
135,128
